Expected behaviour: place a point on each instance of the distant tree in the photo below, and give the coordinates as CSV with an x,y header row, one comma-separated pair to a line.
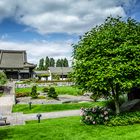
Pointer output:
x,y
52,62
41,64
65,62
47,63
58,63
107,59
62,63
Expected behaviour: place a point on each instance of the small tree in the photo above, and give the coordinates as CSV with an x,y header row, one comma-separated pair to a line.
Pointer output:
x,y
34,93
52,93
3,78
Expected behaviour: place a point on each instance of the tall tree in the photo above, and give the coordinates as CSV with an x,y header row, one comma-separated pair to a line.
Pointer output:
x,y
107,58
52,62
41,64
58,63
65,62
47,63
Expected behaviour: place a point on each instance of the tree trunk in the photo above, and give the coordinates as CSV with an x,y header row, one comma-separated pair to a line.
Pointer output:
x,y
116,100
117,107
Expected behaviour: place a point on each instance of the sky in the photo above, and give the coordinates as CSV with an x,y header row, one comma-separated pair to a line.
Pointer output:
x,y
50,27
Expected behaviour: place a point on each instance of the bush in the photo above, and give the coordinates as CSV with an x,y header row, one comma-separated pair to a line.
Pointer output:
x,y
34,93
125,119
46,89
52,93
97,115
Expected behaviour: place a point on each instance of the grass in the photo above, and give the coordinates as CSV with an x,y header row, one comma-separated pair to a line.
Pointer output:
x,y
60,90
53,107
68,128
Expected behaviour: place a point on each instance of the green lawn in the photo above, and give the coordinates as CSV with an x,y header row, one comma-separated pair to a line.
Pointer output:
x,y
54,107
60,90
68,128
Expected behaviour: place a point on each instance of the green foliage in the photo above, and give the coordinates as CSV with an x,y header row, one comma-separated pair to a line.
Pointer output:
x,y
45,89
3,78
62,63
42,75
52,62
95,97
52,93
47,63
96,115
107,58
125,119
34,93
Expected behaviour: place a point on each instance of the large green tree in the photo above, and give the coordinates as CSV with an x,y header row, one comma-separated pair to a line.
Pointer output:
x,y
107,58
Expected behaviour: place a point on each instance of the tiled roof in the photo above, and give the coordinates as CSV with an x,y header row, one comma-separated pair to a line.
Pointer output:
x,y
60,70
13,59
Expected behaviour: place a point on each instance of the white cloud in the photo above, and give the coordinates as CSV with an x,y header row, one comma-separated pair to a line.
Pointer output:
x,y
37,50
55,16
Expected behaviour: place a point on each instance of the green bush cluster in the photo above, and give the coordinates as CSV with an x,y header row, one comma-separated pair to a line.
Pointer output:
x,y
52,93
96,115
125,119
34,93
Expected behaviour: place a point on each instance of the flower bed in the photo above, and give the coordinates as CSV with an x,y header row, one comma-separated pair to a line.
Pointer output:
x,y
96,115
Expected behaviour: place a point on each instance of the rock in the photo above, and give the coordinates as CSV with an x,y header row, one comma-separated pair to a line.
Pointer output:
x,y
87,94
134,93
133,105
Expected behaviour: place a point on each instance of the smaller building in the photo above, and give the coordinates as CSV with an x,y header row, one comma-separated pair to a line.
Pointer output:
x,y
41,75
59,73
14,64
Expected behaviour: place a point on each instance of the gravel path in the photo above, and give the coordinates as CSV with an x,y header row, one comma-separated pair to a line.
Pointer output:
x,y
7,100
20,118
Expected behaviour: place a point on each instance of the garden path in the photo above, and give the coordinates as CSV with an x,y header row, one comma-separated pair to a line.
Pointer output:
x,y
8,99
20,118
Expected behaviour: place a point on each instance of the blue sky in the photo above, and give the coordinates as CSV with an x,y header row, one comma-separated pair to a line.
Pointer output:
x,y
48,28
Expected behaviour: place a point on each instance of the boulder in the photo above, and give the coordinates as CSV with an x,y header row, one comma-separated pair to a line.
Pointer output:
x,y
133,105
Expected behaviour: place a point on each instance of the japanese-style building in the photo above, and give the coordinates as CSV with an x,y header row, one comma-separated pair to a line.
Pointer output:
x,y
14,64
62,72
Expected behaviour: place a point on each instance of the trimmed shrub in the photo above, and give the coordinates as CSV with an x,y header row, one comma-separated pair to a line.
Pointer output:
x,y
34,93
52,93
96,115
